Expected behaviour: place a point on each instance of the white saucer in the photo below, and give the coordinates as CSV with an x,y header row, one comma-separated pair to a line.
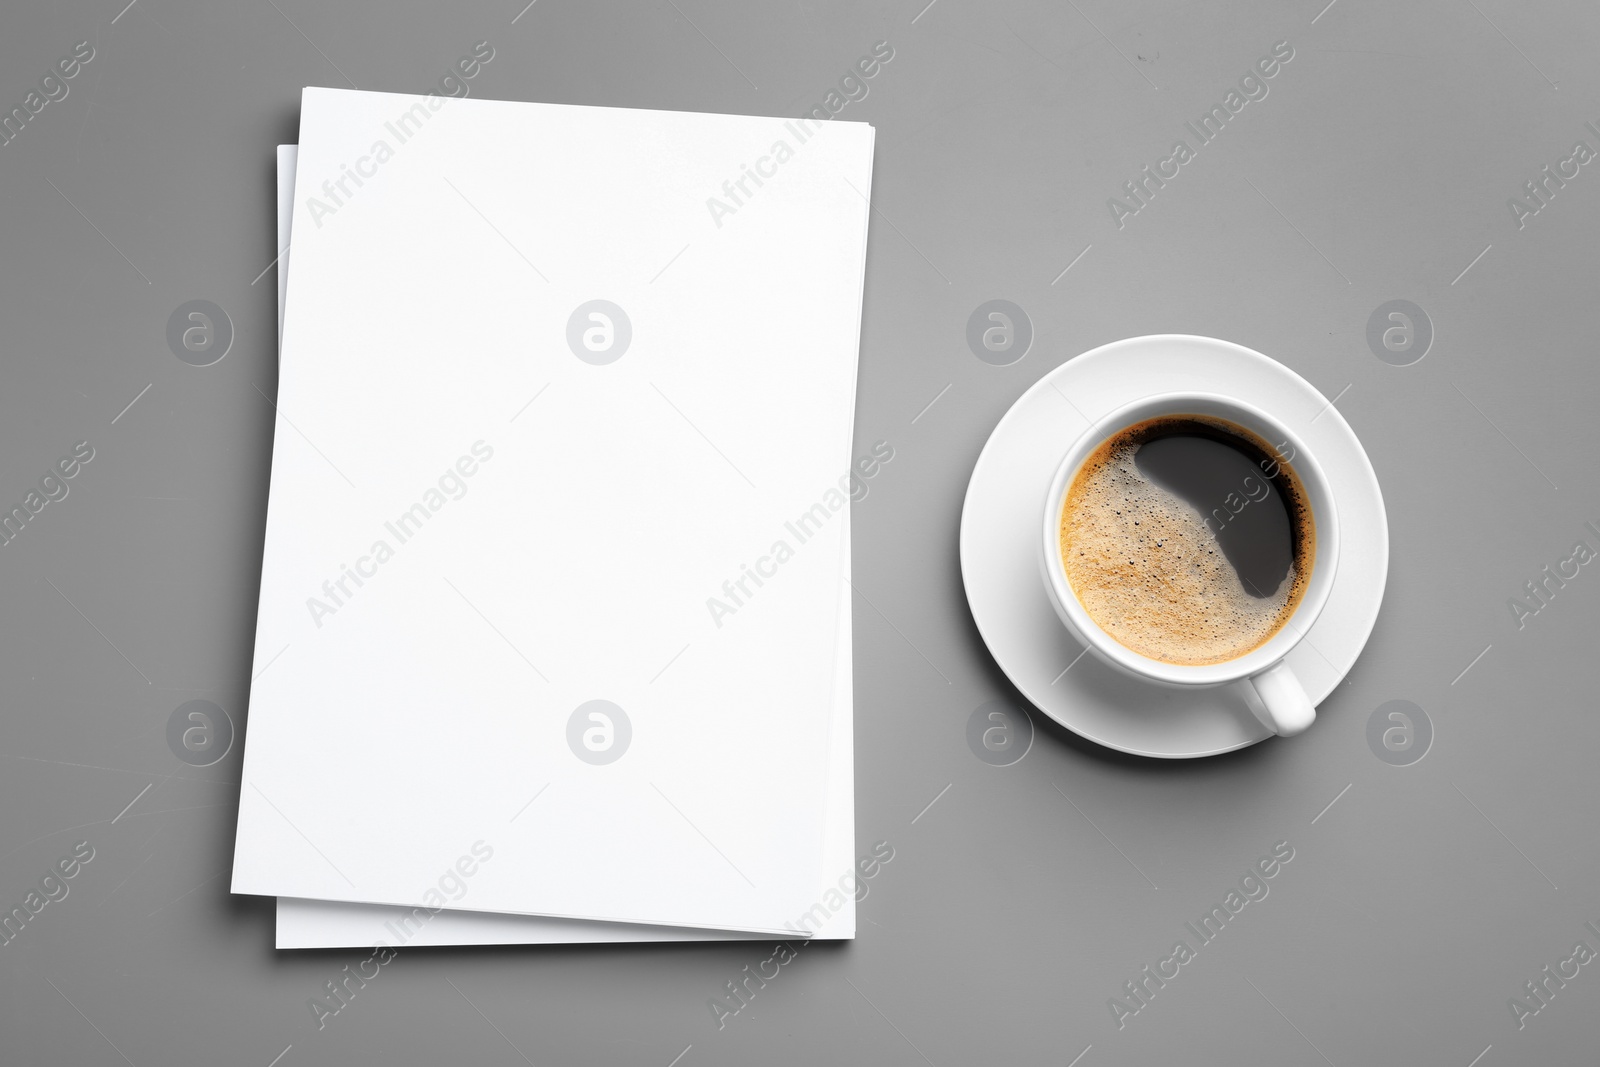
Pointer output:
x,y
1000,531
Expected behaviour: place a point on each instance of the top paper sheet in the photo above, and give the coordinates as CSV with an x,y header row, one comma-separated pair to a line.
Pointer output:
x,y
495,500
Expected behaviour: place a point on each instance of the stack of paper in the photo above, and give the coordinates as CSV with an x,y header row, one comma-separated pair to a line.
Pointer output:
x,y
553,640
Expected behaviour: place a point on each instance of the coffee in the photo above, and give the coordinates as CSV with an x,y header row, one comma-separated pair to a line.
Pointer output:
x,y
1188,538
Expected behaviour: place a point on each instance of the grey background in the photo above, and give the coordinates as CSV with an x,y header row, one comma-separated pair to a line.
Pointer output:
x,y
1378,168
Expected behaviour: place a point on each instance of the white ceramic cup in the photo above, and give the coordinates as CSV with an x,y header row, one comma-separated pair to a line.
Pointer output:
x,y
1269,686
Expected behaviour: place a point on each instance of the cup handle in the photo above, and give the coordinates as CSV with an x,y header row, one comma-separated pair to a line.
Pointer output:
x,y
1281,702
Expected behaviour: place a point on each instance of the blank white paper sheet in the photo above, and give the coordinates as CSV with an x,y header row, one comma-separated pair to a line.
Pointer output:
x,y
496,502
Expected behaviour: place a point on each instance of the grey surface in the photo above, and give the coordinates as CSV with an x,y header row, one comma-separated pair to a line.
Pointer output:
x,y
1377,169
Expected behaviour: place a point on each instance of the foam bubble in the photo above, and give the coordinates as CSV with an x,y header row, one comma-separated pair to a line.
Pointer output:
x,y
1150,572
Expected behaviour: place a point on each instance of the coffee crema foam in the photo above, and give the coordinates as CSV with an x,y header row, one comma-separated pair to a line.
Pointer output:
x,y
1147,568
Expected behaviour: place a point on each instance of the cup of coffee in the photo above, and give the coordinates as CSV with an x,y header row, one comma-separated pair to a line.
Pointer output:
x,y
1191,540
